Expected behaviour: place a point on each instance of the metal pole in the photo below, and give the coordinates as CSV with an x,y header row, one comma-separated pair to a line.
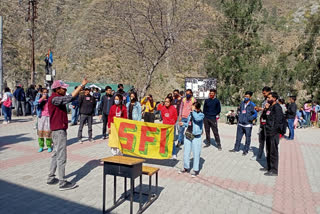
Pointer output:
x,y
1,67
33,16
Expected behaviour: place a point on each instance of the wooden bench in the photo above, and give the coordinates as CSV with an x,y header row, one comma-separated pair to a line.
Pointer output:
x,y
150,171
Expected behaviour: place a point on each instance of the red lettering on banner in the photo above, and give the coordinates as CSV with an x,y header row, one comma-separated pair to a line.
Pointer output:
x,y
128,136
163,141
144,138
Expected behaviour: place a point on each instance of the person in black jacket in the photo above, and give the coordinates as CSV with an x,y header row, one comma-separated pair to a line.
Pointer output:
x,y
291,115
274,121
107,101
87,105
211,109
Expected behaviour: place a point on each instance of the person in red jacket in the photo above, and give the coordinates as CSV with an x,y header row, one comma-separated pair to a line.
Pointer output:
x,y
117,110
170,115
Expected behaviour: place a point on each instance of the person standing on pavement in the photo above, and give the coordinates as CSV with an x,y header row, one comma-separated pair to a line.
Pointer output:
x,y
211,109
246,116
185,110
31,96
59,125
6,105
291,115
118,110
122,93
307,109
150,106
169,115
44,132
193,139
107,101
21,101
97,97
274,122
134,107
75,110
262,131
87,104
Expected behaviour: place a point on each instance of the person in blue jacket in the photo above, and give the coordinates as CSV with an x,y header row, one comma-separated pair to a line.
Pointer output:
x,y
195,125
247,115
75,110
134,108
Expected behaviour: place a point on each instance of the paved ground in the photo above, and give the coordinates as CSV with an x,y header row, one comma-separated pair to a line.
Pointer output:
x,y
228,183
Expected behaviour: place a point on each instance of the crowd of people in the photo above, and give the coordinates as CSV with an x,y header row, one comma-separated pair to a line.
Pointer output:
x,y
179,109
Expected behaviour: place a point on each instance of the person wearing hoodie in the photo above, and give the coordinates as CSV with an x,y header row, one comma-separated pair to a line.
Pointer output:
x,y
134,108
118,110
107,101
193,139
169,115
87,104
246,116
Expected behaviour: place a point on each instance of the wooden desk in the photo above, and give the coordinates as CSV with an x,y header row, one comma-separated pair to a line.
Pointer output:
x,y
126,167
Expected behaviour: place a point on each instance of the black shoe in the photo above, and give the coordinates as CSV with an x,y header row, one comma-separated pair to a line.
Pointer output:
x,y
206,145
244,153
67,185
219,148
53,181
104,137
233,150
263,169
270,173
179,144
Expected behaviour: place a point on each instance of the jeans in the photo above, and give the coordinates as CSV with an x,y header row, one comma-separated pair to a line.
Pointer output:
x,y
105,123
174,145
262,140
195,147
83,119
308,115
97,108
75,115
291,128
21,108
212,124
240,132
32,108
302,122
59,155
6,113
272,143
181,130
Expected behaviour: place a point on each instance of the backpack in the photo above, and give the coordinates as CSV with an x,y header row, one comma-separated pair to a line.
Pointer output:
x,y
8,102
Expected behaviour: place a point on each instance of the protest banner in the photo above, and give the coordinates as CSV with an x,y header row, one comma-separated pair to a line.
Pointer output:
x,y
146,140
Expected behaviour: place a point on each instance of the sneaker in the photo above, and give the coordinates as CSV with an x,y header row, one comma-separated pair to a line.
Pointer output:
x,y
53,181
8,122
49,150
253,158
219,148
244,153
194,174
183,171
104,137
206,145
263,169
5,122
174,157
233,150
91,140
67,185
40,150
81,141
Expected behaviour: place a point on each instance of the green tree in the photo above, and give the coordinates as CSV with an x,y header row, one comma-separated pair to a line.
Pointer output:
x,y
235,50
308,57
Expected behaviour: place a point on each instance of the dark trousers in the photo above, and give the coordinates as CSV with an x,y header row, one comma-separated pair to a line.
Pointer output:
x,y
240,132
212,124
272,143
105,123
262,140
83,119
149,117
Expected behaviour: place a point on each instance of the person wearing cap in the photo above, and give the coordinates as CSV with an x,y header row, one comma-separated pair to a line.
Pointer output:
x,y
87,105
59,125
246,116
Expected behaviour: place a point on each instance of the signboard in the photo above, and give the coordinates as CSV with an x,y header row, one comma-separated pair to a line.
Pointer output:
x,y
200,86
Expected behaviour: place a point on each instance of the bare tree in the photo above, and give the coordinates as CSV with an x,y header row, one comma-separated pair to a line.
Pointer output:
x,y
150,28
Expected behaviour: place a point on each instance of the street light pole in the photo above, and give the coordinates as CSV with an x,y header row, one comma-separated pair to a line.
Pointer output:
x,y
32,16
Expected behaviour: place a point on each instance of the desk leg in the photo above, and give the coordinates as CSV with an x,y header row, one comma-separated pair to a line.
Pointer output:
x,y
114,189
125,187
140,193
157,183
131,196
104,193
150,181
